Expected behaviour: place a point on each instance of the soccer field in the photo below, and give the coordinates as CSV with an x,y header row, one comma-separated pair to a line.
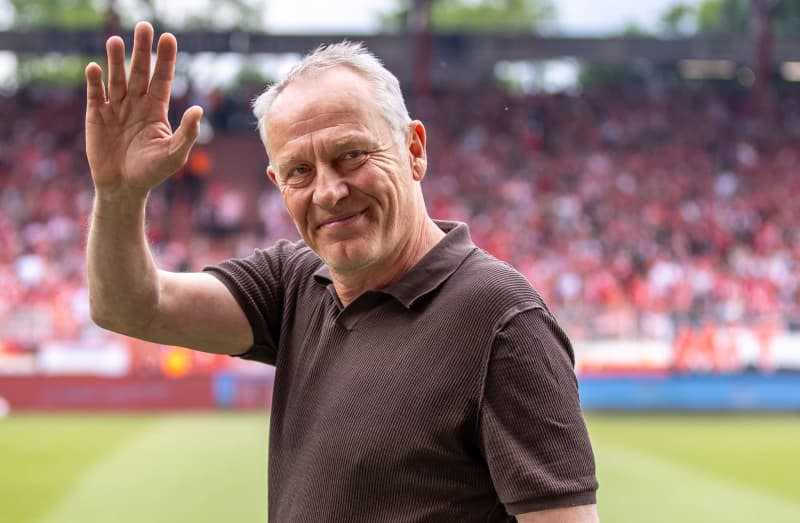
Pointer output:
x,y
211,468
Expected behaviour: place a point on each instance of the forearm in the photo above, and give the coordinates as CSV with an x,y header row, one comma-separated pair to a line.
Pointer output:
x,y
131,148
580,514
123,278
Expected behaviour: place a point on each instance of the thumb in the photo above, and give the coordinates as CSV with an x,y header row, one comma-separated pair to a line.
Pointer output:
x,y
189,129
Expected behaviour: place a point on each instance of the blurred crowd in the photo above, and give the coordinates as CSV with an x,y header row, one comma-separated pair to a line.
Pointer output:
x,y
634,210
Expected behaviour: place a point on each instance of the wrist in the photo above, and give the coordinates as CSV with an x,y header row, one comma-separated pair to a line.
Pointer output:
x,y
120,195
119,205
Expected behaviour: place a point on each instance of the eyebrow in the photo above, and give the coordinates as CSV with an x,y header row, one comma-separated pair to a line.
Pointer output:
x,y
340,143
292,160
352,139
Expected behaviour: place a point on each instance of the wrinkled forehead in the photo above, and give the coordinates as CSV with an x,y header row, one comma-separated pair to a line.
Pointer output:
x,y
334,93
336,97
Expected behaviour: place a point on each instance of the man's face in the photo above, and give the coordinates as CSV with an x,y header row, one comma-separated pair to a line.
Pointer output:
x,y
346,182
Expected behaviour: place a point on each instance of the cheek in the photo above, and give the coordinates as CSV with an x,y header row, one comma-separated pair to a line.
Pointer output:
x,y
388,180
387,163
295,204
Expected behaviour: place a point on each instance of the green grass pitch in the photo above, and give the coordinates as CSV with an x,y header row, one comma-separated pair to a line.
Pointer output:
x,y
211,467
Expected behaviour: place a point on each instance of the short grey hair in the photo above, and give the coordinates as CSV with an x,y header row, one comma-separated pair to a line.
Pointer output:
x,y
355,56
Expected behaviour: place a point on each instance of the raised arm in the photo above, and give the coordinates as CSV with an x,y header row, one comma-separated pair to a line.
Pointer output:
x,y
131,148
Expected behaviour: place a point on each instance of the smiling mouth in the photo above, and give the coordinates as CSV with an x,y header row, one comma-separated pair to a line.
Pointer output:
x,y
342,220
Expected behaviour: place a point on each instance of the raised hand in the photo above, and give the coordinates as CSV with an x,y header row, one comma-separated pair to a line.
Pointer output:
x,y
129,142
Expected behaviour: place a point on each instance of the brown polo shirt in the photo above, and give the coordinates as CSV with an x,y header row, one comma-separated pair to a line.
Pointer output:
x,y
447,396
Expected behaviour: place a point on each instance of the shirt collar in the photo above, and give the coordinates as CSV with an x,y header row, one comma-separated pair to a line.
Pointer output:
x,y
430,272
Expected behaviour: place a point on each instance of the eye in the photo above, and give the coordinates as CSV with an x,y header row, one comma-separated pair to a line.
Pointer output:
x,y
298,175
352,159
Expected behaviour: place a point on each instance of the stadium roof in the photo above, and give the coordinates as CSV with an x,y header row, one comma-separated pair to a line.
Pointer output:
x,y
474,52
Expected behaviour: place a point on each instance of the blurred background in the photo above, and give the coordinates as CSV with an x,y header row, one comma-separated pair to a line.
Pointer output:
x,y
638,161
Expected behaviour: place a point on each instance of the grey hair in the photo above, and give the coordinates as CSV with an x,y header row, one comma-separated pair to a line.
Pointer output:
x,y
355,56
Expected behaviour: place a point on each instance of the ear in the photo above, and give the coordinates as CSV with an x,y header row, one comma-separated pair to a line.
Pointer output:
x,y
272,175
417,149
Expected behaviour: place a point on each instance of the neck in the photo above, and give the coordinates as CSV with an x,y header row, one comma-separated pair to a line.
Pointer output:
x,y
350,286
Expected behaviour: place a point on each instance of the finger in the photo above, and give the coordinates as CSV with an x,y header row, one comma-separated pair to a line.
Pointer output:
x,y
161,84
95,90
184,137
115,50
140,59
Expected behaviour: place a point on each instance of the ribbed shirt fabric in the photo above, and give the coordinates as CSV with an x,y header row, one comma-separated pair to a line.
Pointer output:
x,y
448,396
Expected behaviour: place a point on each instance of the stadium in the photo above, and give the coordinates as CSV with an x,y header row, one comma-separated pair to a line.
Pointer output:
x,y
642,180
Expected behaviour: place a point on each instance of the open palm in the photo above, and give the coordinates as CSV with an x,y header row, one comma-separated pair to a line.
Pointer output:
x,y
129,142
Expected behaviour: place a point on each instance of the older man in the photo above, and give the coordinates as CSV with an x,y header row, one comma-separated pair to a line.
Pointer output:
x,y
417,378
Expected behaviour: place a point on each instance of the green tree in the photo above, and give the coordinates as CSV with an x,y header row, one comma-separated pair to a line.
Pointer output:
x,y
723,16
679,20
86,14
70,14
632,29
707,17
94,14
727,16
73,14
477,15
213,14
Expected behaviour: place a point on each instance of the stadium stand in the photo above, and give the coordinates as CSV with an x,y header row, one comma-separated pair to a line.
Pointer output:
x,y
638,212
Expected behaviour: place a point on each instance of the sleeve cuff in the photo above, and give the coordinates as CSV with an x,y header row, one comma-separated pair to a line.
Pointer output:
x,y
261,350
550,502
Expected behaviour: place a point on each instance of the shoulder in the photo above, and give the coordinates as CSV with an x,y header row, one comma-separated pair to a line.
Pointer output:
x,y
295,254
283,266
495,282
283,257
483,294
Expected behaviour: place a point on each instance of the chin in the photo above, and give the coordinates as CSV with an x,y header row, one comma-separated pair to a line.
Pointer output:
x,y
347,258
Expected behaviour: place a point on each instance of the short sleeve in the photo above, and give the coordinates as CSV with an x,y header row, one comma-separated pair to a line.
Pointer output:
x,y
532,430
257,284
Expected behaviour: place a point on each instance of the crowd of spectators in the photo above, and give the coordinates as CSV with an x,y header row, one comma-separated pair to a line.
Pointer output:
x,y
633,210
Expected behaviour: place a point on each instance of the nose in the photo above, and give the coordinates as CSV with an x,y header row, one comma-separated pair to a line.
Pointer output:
x,y
330,187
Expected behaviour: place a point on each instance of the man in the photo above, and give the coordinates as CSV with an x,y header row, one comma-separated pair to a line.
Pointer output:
x,y
417,378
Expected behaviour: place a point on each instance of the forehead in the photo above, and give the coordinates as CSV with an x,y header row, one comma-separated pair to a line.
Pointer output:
x,y
337,99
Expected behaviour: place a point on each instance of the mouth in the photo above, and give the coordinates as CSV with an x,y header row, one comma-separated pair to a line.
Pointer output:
x,y
341,220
